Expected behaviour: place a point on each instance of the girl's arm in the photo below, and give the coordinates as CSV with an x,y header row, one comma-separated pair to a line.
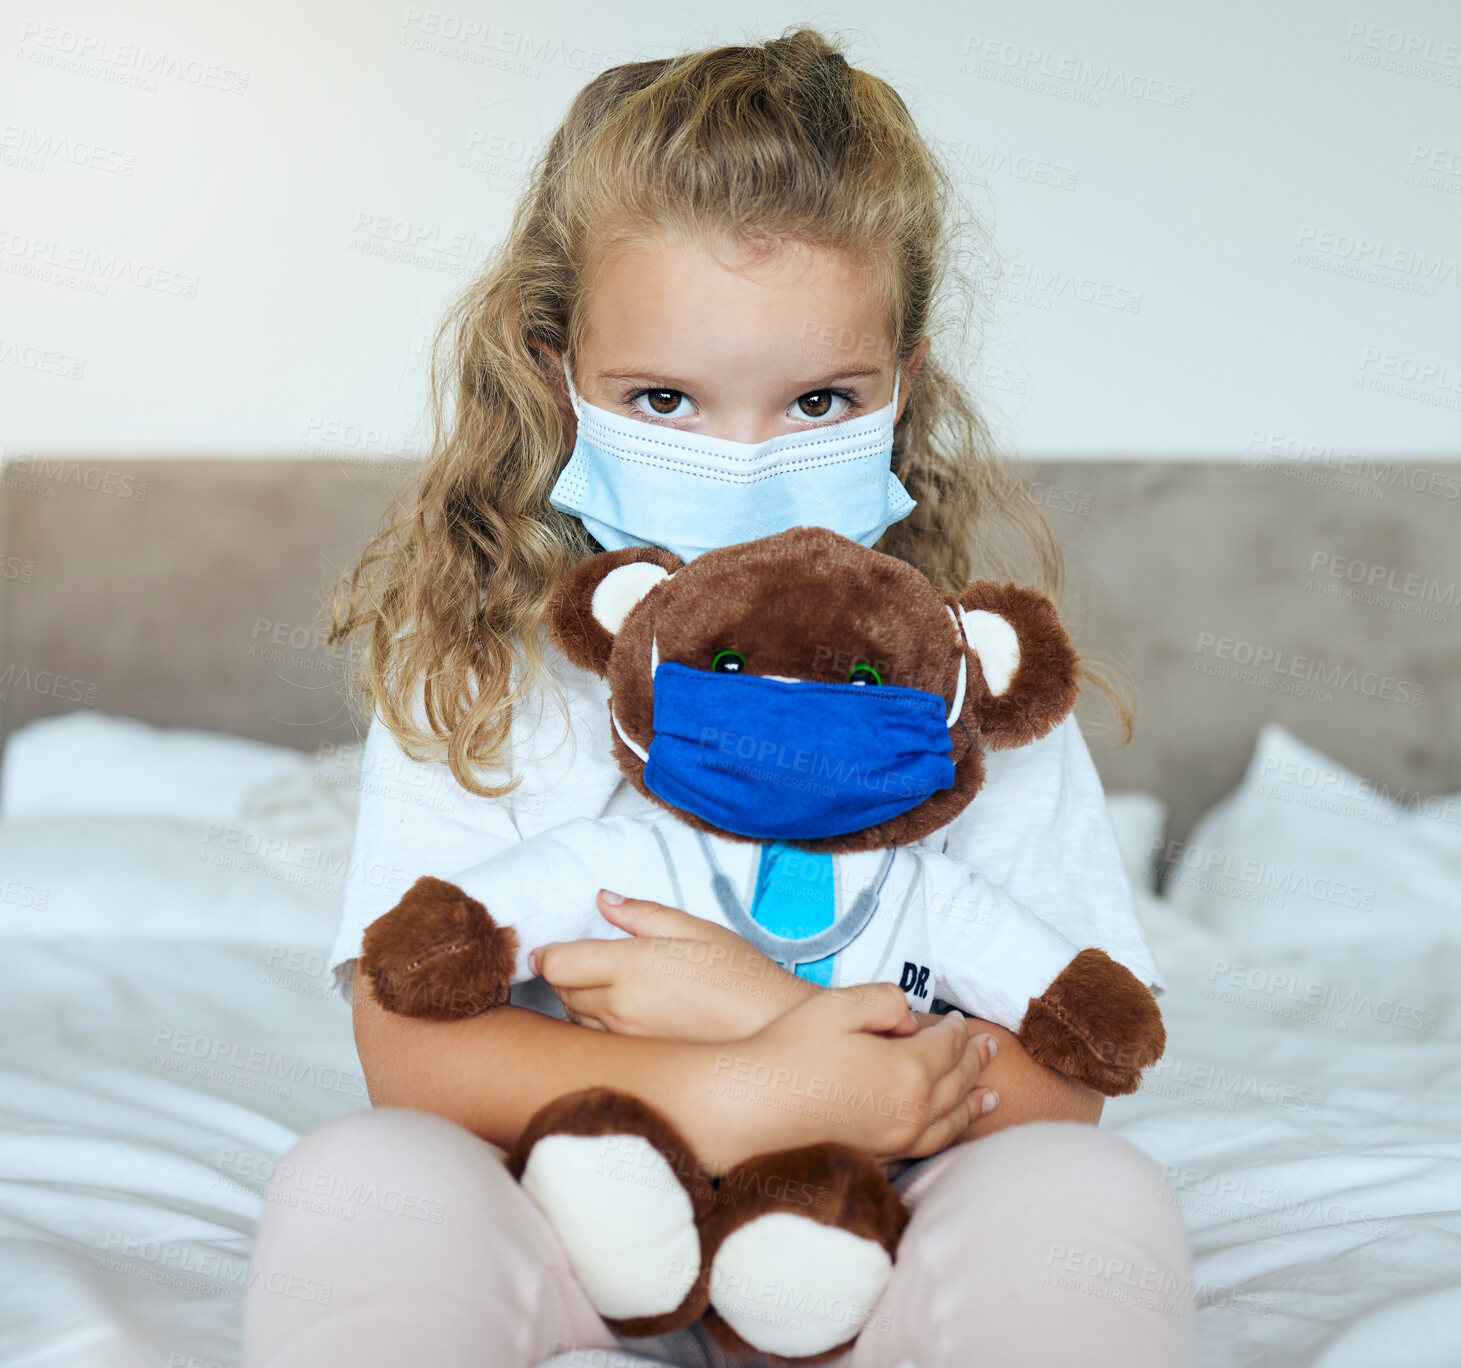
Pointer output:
x,y
1027,1091
800,1080
681,977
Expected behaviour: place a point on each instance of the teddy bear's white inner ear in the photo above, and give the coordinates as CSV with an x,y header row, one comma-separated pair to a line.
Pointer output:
x,y
997,645
621,589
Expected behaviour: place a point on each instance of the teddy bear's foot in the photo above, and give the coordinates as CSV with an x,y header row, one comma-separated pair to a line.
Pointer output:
x,y
437,953
800,1245
1097,1023
627,1197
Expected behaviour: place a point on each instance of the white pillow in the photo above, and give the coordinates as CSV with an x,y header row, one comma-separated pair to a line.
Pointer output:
x,y
1139,819
270,868
1305,852
1178,942
153,878
90,763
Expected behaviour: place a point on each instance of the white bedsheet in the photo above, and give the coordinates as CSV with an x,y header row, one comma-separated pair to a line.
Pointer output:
x,y
1307,1112
146,1089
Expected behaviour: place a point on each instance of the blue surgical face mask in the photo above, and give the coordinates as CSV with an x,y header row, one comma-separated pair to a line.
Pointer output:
x,y
779,759
636,483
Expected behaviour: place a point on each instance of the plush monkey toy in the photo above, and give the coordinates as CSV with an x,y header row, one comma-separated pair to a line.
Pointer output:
x,y
805,696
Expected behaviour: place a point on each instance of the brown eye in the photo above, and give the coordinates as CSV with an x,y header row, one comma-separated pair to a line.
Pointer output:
x,y
664,402
817,404
828,405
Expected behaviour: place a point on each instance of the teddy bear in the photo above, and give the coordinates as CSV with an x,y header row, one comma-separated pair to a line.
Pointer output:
x,y
802,708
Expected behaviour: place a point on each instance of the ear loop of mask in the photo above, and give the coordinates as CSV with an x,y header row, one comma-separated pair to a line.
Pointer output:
x,y
572,393
954,712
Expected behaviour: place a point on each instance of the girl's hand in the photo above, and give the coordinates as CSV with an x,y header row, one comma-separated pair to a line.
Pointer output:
x,y
679,978
852,1065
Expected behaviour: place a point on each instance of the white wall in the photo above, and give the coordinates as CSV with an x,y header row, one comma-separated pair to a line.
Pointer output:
x,y
203,259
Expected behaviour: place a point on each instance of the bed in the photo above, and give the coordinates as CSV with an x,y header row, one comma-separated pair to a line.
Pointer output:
x,y
171,850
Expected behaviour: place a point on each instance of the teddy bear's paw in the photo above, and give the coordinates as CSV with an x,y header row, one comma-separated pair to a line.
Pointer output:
x,y
801,1245
790,1286
1097,1023
626,1197
438,954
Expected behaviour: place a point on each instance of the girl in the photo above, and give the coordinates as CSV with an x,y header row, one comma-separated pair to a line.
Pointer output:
x,y
740,245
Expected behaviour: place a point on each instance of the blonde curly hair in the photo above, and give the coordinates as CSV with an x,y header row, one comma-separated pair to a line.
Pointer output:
x,y
756,145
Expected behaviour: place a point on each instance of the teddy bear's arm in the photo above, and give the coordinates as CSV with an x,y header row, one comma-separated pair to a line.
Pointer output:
x,y
545,887
991,954
1075,1009
454,946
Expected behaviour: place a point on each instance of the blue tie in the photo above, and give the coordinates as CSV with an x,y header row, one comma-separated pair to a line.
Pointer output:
x,y
795,897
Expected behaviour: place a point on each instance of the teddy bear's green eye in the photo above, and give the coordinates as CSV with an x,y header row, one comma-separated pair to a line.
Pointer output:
x,y
863,673
728,662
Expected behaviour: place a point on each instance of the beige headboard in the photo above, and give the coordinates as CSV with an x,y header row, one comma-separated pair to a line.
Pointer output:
x,y
191,593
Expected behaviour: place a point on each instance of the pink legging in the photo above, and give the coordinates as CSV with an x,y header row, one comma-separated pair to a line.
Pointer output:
x,y
393,1237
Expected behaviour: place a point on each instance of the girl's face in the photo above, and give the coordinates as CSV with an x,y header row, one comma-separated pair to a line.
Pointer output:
x,y
746,351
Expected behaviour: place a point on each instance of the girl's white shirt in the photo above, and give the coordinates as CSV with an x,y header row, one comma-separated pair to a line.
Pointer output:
x,y
1037,837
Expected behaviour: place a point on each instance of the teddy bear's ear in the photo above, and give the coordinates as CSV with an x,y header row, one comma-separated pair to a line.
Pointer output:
x,y
590,605
1030,670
